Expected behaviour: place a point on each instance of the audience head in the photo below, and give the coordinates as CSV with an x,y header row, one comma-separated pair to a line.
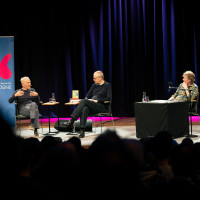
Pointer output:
x,y
136,148
78,146
187,141
162,144
49,142
59,170
182,160
110,163
9,152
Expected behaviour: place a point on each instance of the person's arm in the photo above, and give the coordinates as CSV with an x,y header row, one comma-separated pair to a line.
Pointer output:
x,y
90,92
171,98
175,94
35,95
194,93
13,97
184,85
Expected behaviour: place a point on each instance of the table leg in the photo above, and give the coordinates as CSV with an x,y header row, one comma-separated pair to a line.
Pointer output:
x,y
51,132
49,120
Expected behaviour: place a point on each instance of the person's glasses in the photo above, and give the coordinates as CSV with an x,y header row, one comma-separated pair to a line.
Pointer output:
x,y
95,78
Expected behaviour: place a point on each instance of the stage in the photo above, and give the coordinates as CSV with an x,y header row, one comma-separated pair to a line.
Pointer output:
x,y
125,127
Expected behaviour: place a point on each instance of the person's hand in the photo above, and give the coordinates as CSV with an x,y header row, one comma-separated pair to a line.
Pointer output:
x,y
171,99
185,85
93,100
32,93
19,93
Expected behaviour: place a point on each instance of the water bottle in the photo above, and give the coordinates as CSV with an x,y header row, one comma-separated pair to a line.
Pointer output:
x,y
53,97
144,97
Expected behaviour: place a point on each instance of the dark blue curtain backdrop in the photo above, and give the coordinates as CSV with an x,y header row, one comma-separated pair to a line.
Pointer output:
x,y
140,45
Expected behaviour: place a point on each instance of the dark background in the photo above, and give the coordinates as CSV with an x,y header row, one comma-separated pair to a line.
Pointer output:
x,y
139,45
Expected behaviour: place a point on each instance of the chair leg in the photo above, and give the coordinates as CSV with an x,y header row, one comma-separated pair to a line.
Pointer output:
x,y
191,134
42,125
191,123
18,124
113,123
94,125
101,124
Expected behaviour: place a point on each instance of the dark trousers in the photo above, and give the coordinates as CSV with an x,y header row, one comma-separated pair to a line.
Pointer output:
x,y
31,110
85,108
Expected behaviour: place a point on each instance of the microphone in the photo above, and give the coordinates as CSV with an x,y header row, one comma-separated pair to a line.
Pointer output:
x,y
170,84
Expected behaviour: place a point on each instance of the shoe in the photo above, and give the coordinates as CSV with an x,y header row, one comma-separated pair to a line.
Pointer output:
x,y
69,124
31,127
36,134
82,133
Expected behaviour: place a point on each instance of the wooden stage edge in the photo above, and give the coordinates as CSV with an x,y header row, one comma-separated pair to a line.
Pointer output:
x,y
126,126
119,121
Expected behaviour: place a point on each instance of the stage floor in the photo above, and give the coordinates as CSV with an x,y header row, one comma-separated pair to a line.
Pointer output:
x,y
125,128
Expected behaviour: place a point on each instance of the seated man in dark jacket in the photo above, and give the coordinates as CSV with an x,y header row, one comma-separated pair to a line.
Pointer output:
x,y
100,92
27,99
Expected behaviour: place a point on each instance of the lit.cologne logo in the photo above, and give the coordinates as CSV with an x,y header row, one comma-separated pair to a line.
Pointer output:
x,y
5,72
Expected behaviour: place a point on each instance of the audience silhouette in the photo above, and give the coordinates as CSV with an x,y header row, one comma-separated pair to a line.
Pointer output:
x,y
110,167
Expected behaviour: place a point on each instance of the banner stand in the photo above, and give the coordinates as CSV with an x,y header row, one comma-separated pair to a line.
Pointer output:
x,y
7,79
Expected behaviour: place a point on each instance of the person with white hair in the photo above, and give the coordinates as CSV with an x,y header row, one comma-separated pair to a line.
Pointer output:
x,y
187,90
27,99
94,102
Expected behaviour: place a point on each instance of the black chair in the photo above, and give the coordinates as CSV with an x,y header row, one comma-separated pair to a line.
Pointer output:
x,y
20,117
107,114
193,111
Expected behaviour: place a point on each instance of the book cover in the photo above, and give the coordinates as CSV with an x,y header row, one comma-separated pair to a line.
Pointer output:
x,y
75,94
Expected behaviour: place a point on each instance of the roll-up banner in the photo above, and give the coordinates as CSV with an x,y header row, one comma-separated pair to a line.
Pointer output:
x,y
7,78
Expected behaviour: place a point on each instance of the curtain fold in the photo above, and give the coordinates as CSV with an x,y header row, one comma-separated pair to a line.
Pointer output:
x,y
139,45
